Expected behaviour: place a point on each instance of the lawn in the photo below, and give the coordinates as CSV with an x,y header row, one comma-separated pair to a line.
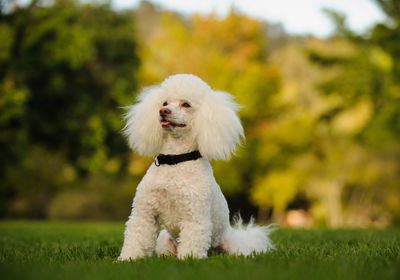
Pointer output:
x,y
59,250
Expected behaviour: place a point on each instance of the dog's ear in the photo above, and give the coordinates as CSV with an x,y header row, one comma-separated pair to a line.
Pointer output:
x,y
217,126
142,128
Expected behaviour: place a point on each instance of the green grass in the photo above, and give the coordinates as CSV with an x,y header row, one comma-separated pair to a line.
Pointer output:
x,y
50,250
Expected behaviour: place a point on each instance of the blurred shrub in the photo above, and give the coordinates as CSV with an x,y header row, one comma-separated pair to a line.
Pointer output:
x,y
97,197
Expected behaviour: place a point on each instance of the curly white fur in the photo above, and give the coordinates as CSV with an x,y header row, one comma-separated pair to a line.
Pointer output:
x,y
185,197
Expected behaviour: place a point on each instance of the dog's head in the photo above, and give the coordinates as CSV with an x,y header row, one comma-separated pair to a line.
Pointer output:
x,y
184,104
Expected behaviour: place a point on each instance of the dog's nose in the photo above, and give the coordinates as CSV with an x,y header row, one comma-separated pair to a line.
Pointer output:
x,y
165,111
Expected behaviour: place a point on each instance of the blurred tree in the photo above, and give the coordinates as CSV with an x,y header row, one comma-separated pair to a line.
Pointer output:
x,y
323,143
391,8
65,70
349,165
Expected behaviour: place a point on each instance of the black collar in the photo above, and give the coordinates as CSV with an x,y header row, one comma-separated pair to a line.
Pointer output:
x,y
175,159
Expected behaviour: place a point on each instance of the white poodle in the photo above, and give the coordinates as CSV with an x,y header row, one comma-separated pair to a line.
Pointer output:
x,y
188,124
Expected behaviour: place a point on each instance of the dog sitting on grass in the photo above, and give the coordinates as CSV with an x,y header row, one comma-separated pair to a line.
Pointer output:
x,y
187,124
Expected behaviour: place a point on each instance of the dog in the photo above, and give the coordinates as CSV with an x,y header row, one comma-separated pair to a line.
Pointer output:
x,y
187,124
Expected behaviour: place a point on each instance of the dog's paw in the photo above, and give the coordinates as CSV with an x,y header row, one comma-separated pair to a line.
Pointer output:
x,y
129,257
191,255
124,259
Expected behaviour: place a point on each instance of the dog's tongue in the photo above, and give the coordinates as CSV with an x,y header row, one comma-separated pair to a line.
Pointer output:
x,y
165,122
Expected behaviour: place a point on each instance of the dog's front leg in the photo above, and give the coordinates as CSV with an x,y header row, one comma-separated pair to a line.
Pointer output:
x,y
141,232
195,234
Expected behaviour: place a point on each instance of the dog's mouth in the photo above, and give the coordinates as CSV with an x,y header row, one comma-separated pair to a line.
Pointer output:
x,y
168,124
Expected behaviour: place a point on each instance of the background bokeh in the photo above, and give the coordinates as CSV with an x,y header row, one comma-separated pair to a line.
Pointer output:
x,y
321,116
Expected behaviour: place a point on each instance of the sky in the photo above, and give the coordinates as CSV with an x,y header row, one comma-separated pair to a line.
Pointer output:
x,y
299,17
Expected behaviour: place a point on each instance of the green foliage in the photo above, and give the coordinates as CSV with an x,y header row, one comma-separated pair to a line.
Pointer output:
x,y
370,91
228,53
347,164
88,250
391,9
340,22
66,71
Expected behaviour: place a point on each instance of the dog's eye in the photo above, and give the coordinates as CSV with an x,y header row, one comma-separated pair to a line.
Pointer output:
x,y
165,103
187,105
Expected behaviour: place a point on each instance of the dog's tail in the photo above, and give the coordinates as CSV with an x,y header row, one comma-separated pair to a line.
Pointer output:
x,y
247,240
